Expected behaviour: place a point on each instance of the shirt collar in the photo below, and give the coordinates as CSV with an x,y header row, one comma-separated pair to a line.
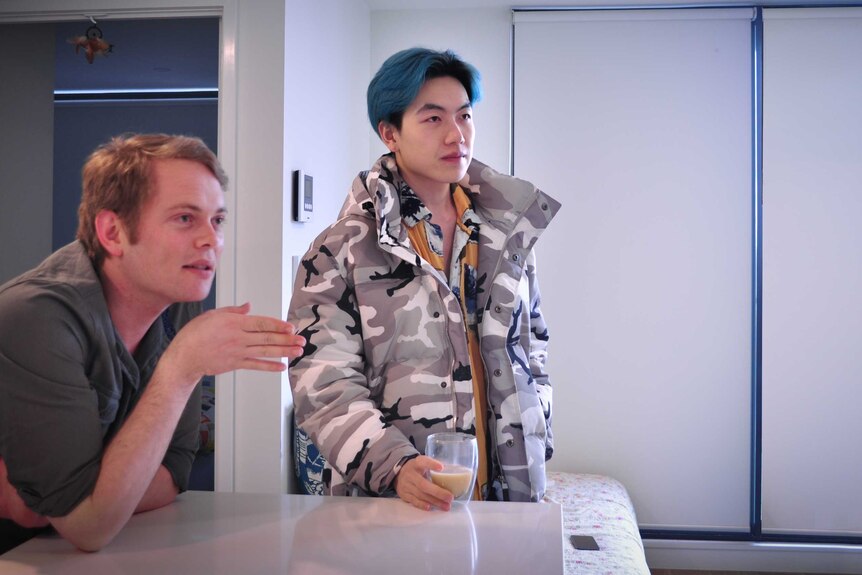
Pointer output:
x,y
413,210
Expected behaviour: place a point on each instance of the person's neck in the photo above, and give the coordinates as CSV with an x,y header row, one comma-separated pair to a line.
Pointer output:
x,y
434,196
437,198
131,317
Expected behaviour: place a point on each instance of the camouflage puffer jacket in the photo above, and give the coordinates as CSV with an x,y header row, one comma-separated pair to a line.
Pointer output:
x,y
384,363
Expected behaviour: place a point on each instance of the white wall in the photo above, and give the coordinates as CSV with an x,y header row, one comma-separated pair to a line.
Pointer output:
x,y
260,191
325,133
298,64
27,118
479,36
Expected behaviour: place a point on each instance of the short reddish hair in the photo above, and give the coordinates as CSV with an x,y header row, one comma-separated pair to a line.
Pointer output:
x,y
117,177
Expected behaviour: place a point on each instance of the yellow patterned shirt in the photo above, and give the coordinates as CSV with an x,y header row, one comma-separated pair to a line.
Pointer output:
x,y
427,239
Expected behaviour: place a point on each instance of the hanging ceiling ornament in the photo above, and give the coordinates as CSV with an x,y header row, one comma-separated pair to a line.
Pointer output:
x,y
92,42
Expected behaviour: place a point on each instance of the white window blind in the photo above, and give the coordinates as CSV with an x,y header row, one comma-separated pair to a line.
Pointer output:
x,y
640,123
812,271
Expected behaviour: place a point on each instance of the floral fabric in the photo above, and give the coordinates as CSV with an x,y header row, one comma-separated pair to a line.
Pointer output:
x,y
598,506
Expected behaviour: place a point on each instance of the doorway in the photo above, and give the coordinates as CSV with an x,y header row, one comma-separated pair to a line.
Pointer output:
x,y
161,75
157,76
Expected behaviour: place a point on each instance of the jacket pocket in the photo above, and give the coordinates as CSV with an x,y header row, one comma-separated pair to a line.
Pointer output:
x,y
401,321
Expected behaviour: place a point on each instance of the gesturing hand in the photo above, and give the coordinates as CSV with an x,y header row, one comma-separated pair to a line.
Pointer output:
x,y
413,487
13,507
228,338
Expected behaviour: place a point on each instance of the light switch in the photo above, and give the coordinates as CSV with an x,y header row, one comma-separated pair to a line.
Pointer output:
x,y
303,196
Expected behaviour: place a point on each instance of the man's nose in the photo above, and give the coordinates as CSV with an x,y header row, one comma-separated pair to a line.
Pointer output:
x,y
455,135
209,236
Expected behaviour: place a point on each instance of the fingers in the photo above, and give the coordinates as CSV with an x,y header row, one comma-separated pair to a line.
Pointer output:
x,y
257,323
414,488
260,324
272,339
262,365
427,464
428,495
264,324
227,339
269,337
277,346
255,356
240,309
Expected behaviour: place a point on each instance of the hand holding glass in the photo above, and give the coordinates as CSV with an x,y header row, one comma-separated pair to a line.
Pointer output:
x,y
459,455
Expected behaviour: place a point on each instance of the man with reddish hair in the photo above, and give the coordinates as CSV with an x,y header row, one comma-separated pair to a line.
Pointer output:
x,y
103,344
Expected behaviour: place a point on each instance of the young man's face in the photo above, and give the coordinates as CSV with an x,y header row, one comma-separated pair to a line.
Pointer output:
x,y
434,146
179,235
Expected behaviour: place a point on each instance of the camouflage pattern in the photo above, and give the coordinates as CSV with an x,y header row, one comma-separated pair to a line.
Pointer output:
x,y
386,361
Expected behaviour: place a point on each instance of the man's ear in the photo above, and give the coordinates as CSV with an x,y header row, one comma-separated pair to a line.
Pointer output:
x,y
111,232
389,134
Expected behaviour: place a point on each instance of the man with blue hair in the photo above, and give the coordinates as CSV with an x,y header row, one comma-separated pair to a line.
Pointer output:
x,y
420,304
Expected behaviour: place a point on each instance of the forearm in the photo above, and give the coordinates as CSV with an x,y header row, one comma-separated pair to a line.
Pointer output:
x,y
161,491
129,466
215,342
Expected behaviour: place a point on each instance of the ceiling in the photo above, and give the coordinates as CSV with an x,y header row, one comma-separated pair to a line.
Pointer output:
x,y
183,53
171,53
179,53
467,4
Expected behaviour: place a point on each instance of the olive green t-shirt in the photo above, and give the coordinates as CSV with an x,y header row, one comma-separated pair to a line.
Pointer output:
x,y
68,383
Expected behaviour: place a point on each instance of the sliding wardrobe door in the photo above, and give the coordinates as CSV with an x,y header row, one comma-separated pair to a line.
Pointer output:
x,y
812,271
640,123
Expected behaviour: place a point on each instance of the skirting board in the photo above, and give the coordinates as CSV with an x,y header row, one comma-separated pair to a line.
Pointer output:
x,y
745,556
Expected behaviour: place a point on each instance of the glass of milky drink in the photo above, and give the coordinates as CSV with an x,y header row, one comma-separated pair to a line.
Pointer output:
x,y
460,457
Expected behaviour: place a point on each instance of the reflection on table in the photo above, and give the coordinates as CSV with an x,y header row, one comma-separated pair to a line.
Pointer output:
x,y
220,533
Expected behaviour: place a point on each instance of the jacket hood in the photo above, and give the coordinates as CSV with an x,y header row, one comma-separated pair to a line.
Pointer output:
x,y
500,199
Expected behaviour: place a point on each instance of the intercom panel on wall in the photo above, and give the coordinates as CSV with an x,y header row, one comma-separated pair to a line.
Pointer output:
x,y
303,196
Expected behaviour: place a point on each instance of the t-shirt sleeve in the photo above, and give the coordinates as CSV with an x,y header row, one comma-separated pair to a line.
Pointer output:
x,y
50,432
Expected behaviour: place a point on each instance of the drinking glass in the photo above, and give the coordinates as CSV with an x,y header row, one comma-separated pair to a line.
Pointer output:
x,y
459,455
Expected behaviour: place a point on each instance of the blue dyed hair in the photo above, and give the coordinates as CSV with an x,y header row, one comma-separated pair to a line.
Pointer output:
x,y
398,81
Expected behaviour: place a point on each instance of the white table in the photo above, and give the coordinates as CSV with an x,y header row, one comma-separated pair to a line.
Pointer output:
x,y
234,533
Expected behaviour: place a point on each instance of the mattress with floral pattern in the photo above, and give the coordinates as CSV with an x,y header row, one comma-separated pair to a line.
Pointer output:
x,y
598,506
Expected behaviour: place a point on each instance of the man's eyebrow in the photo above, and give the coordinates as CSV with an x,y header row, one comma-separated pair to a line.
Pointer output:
x,y
430,107
437,107
195,208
